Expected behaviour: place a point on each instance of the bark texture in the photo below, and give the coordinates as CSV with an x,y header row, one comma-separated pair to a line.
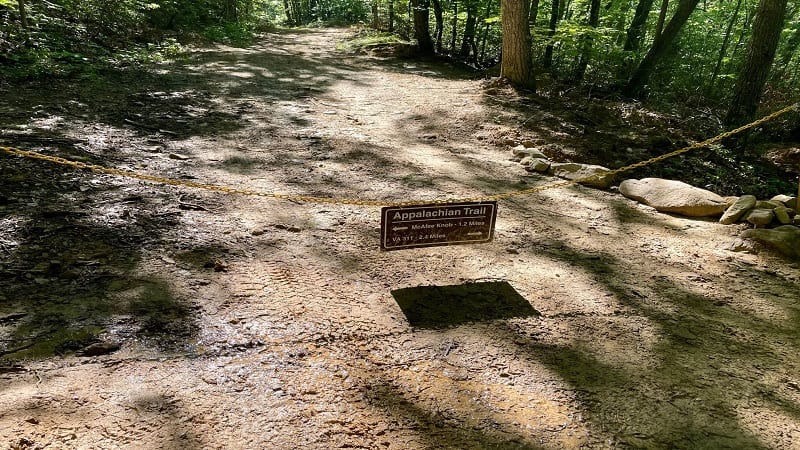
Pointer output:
x,y
516,62
760,56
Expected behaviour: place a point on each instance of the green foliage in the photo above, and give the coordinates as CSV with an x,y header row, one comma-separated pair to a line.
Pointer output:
x,y
71,37
341,12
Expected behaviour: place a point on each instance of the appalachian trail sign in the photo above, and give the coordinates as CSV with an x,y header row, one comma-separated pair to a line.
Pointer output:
x,y
405,227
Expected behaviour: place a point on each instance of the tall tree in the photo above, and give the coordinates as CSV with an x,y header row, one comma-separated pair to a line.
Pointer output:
x,y
662,17
468,41
439,19
551,31
391,16
422,29
515,64
760,55
586,44
725,42
533,13
23,16
633,39
660,47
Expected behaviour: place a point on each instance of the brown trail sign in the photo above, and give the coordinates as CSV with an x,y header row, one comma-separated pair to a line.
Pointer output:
x,y
437,224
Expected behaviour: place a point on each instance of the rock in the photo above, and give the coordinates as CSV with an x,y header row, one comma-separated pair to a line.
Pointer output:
x,y
178,156
574,171
536,164
99,348
741,245
788,201
759,216
796,220
783,215
768,204
785,239
674,197
521,151
738,209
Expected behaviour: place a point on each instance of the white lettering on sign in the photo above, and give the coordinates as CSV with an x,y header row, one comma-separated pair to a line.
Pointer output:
x,y
443,224
427,214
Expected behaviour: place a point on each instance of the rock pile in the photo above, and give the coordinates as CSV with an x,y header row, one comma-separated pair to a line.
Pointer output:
x,y
781,212
536,161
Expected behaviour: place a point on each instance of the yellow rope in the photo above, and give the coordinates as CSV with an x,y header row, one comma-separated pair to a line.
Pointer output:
x,y
351,201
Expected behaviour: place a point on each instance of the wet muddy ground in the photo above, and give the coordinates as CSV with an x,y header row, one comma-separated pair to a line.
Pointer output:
x,y
243,322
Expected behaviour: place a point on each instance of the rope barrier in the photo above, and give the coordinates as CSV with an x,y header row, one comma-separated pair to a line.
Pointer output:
x,y
351,201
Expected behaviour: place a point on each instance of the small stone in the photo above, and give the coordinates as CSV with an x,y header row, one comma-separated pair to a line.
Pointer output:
x,y
574,171
257,231
536,164
178,156
738,209
32,420
759,217
520,151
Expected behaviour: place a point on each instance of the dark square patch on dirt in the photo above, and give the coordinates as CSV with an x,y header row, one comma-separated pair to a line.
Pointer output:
x,y
444,306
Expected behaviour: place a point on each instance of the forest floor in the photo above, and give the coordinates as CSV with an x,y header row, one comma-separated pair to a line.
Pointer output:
x,y
589,322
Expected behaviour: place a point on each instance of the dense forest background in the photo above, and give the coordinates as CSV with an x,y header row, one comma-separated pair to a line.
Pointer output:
x,y
593,42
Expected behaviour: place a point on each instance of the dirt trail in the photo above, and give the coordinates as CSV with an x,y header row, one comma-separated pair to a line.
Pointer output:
x,y
252,323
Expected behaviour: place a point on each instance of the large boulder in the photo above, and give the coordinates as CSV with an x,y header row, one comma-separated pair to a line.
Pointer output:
x,y
674,197
785,239
738,209
574,171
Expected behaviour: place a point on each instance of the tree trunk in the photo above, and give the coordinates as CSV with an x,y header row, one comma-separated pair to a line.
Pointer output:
x,y
662,16
454,29
635,33
288,11
583,62
422,29
437,32
484,33
725,42
548,51
468,42
534,13
760,55
516,55
23,16
636,86
391,16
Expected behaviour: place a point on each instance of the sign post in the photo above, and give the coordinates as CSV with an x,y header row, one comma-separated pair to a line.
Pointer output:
x,y
405,227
